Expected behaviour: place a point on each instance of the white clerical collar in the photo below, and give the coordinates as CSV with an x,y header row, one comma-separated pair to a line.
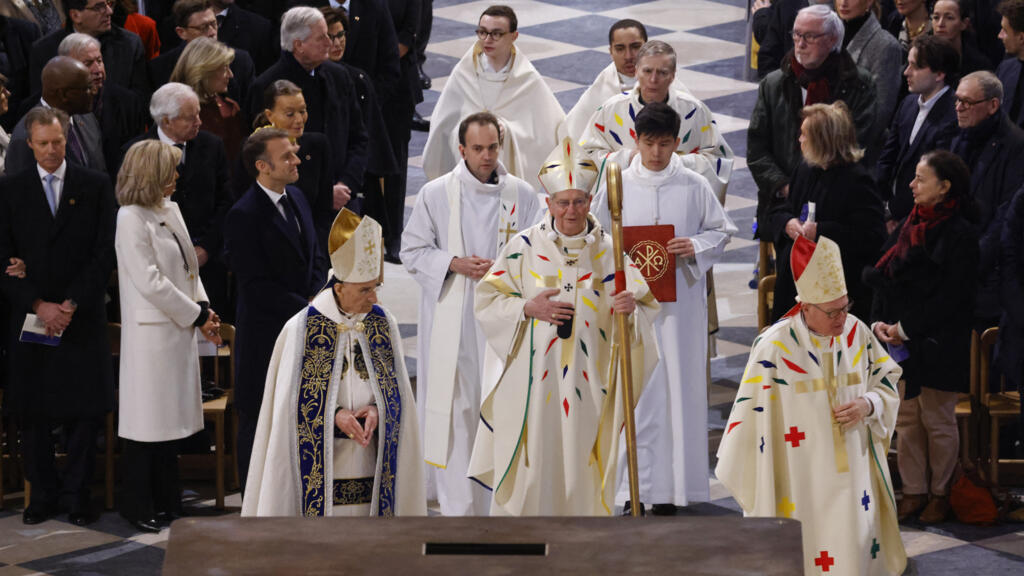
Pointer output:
x,y
325,303
561,234
645,173
464,175
928,104
628,82
485,64
58,173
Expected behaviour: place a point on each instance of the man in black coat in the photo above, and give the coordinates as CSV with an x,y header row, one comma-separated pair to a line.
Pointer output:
x,y
1009,70
123,53
16,38
331,102
381,37
993,148
59,219
925,121
195,19
270,244
202,191
245,30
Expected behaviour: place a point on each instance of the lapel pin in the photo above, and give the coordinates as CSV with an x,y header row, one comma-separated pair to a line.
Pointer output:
x,y
71,201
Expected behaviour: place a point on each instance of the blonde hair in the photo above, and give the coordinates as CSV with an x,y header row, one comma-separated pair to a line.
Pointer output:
x,y
201,57
830,135
148,167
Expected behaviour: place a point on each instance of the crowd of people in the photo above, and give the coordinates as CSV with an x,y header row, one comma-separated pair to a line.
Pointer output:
x,y
266,187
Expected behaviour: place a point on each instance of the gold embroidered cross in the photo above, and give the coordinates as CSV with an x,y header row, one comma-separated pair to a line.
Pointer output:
x,y
508,231
830,383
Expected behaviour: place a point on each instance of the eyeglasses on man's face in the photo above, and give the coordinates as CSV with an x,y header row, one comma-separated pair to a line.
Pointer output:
x,y
968,104
101,7
832,314
483,33
809,37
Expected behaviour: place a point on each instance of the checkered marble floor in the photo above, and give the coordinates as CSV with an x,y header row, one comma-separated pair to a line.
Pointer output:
x,y
566,41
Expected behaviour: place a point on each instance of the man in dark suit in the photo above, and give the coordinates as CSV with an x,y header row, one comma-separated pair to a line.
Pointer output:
x,y
993,148
245,30
202,192
123,53
925,121
16,38
59,219
195,19
270,246
331,102
67,86
1009,70
120,114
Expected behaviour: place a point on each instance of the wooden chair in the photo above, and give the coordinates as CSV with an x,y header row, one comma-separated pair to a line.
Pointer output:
x,y
217,412
968,406
765,260
1001,405
765,299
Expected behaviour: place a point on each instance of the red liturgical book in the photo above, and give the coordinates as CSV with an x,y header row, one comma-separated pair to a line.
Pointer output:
x,y
646,248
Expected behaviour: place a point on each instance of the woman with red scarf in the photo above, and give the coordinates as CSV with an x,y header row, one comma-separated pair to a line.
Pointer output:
x,y
924,299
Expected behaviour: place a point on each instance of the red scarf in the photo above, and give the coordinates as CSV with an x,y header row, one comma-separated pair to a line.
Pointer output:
x,y
814,81
921,219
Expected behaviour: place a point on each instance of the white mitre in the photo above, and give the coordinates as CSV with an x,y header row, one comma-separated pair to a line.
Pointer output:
x,y
355,248
817,270
567,168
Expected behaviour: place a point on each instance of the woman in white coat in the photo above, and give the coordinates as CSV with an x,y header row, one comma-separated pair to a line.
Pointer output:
x,y
162,304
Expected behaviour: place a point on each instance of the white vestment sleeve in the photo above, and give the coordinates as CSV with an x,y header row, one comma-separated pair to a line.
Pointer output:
x,y
716,230
421,252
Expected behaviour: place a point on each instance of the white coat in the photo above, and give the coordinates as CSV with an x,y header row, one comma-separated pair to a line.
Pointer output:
x,y
157,270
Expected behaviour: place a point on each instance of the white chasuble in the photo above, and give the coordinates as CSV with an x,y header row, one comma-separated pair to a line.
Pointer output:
x,y
324,360
524,104
610,136
479,223
548,433
671,417
783,454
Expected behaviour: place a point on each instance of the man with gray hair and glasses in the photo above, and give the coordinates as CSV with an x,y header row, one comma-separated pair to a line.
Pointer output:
x,y
992,146
331,101
610,132
816,70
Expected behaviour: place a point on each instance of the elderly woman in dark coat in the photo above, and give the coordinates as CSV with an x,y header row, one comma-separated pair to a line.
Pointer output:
x,y
831,183
924,300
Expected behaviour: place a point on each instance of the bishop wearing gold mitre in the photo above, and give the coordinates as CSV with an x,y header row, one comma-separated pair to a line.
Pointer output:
x,y
549,426
337,432
811,424
681,231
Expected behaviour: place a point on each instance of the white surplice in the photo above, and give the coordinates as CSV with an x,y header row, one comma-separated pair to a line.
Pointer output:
x,y
671,417
347,479
427,255
610,135
518,96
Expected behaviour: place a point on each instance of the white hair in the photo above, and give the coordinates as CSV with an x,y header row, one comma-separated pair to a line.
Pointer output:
x,y
296,24
831,23
167,101
75,43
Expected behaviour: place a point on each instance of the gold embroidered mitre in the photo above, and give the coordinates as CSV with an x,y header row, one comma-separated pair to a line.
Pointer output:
x,y
354,245
567,168
817,270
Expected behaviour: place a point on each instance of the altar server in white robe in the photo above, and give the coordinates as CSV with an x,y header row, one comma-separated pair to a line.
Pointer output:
x,y
610,135
338,433
672,415
459,224
810,428
494,76
625,38
548,433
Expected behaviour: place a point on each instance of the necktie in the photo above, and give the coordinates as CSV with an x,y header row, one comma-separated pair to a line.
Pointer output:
x,y
51,194
182,148
220,21
75,145
289,212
